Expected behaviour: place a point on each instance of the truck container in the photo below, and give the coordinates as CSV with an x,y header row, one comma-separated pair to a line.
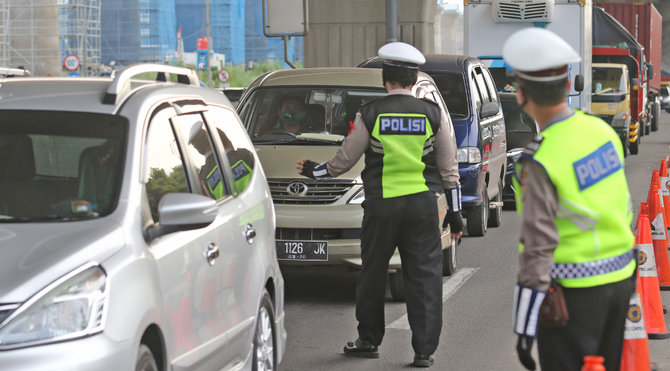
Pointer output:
x,y
645,23
489,23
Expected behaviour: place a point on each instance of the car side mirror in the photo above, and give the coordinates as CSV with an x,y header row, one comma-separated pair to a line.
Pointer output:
x,y
579,83
650,72
488,109
182,212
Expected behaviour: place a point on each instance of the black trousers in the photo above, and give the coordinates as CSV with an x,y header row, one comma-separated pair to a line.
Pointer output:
x,y
596,327
410,223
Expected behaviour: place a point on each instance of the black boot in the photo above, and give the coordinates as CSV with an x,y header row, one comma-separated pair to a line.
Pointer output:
x,y
422,360
361,348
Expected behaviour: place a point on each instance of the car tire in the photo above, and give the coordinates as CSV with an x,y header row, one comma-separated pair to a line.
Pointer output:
x,y
477,220
449,259
396,285
145,360
656,114
264,356
495,214
634,146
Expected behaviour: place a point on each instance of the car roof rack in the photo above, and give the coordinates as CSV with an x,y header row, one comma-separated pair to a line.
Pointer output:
x,y
120,87
13,72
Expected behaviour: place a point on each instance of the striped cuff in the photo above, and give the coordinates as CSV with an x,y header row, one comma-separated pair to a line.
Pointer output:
x,y
453,198
527,303
321,171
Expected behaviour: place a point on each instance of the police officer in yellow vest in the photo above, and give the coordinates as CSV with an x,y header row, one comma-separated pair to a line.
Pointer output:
x,y
410,155
576,214
211,179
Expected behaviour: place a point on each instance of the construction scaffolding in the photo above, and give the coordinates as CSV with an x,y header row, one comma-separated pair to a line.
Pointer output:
x,y
79,23
4,33
38,34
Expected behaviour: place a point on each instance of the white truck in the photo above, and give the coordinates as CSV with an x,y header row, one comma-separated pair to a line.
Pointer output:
x,y
488,24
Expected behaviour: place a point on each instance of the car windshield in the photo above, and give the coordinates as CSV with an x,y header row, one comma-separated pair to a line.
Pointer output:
x,y
305,115
519,127
608,80
452,88
59,166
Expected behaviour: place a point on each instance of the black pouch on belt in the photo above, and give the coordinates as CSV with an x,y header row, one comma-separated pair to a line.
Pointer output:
x,y
553,311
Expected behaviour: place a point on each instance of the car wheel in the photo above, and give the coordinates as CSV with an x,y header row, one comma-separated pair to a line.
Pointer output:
x,y
656,111
396,285
449,259
478,217
495,214
264,356
634,146
145,360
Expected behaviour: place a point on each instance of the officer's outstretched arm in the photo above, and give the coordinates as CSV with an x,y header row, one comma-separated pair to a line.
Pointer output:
x,y
313,170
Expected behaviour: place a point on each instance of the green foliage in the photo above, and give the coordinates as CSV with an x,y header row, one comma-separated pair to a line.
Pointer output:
x,y
240,76
160,184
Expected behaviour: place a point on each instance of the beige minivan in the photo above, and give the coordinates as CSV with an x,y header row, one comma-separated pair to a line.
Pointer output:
x,y
307,113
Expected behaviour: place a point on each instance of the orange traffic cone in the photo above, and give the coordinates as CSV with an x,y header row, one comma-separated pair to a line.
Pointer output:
x,y
659,238
656,179
663,177
593,363
635,351
648,286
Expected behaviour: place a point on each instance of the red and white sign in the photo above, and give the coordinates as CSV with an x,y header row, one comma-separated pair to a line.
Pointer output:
x,y
71,62
224,76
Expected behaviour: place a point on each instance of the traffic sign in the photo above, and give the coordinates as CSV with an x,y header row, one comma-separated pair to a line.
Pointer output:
x,y
224,76
71,62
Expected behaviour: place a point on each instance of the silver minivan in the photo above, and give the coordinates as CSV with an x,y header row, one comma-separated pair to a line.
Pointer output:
x,y
137,231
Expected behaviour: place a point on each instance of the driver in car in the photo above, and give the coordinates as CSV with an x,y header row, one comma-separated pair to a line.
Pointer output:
x,y
290,116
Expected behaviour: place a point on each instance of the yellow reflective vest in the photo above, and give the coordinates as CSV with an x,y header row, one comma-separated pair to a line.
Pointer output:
x,y
583,158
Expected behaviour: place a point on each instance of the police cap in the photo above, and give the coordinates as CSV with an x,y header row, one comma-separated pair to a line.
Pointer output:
x,y
400,54
537,54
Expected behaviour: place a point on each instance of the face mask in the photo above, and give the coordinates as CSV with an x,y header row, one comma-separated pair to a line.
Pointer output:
x,y
292,116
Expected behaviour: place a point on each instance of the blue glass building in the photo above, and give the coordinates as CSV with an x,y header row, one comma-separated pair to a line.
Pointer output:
x,y
261,48
226,23
146,31
138,31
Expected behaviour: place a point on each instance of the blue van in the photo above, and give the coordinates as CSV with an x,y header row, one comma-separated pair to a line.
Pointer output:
x,y
472,99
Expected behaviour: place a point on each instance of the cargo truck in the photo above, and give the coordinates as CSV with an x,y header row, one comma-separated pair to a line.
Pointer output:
x,y
610,100
644,23
612,43
488,23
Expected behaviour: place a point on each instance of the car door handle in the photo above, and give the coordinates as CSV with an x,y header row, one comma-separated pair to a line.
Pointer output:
x,y
250,233
211,253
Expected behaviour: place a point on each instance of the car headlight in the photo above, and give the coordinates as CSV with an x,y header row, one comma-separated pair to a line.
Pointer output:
x,y
71,307
470,155
358,198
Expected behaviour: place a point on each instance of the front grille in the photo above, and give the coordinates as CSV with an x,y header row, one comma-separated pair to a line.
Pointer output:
x,y
307,191
6,310
317,234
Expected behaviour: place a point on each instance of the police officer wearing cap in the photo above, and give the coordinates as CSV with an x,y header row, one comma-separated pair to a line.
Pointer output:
x,y
410,156
576,215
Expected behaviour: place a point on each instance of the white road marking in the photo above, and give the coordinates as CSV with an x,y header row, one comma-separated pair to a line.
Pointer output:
x,y
449,288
